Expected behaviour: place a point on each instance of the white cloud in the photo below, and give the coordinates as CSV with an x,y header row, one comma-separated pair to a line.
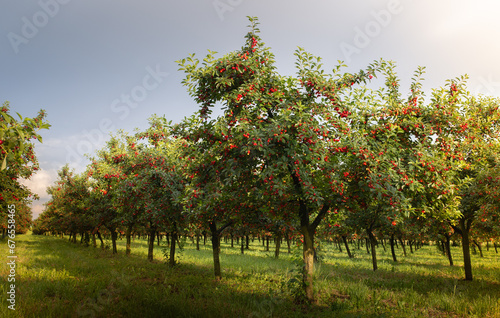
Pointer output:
x,y
38,184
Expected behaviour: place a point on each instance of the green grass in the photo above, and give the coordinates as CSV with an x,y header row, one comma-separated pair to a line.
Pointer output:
x,y
56,278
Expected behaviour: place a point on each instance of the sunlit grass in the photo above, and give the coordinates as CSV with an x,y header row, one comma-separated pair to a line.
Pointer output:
x,y
56,278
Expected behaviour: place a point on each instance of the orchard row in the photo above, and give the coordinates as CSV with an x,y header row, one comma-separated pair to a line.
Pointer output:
x,y
329,154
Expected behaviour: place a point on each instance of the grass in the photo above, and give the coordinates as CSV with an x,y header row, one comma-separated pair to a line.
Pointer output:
x,y
55,278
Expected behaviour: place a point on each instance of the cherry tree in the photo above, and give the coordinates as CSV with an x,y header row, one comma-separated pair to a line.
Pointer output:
x,y
277,136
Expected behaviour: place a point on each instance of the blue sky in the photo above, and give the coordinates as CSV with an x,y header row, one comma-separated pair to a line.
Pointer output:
x,y
99,66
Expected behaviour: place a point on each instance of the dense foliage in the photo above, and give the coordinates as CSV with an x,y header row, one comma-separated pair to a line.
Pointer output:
x,y
332,154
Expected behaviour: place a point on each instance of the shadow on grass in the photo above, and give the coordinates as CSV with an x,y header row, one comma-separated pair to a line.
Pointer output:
x,y
62,279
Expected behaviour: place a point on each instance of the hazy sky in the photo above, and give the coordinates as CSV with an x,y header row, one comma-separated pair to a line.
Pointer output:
x,y
101,65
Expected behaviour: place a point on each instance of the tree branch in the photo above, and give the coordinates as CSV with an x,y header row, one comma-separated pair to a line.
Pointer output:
x,y
320,216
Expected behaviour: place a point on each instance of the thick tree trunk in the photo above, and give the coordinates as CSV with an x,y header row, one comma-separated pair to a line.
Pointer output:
x,y
308,252
373,243
197,241
151,244
242,246
172,249
391,241
344,238
247,242
114,237
464,231
215,249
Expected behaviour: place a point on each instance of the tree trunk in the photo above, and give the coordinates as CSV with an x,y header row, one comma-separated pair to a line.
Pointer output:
x,y
100,238
373,244
464,231
114,237
278,245
447,247
172,249
344,238
402,245
242,246
288,244
94,242
151,244
308,253
410,243
197,241
391,241
215,249
267,244
232,240
128,235
247,242
479,248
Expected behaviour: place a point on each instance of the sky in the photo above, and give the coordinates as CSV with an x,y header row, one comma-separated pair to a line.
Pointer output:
x,y
97,66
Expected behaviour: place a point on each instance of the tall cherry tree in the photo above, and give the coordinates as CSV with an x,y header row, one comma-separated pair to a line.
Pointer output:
x,y
277,135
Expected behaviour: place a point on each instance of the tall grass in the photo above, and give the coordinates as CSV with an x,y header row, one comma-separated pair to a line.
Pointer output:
x,y
56,278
